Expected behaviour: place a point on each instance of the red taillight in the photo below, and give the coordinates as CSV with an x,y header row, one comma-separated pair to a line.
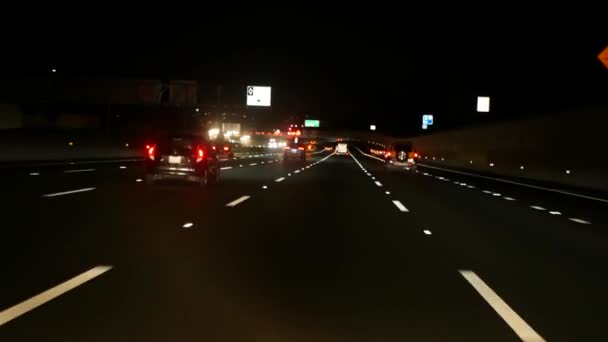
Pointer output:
x,y
200,153
301,148
388,154
151,152
226,148
415,155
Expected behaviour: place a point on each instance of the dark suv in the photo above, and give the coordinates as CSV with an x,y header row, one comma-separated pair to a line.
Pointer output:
x,y
182,157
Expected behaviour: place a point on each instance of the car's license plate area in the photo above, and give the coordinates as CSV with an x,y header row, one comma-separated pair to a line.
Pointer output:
x,y
175,159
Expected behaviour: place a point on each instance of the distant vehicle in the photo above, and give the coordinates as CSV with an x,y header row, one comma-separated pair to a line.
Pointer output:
x,y
342,149
188,158
295,151
400,156
223,150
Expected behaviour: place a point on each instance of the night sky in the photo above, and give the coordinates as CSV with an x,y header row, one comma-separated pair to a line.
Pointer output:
x,y
346,69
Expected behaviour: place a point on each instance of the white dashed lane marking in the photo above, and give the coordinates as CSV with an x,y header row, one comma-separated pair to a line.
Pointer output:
x,y
68,192
378,183
80,170
537,207
519,326
400,206
238,201
226,168
48,295
577,220
279,179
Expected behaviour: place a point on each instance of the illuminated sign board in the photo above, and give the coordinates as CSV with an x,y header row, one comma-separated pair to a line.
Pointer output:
x,y
258,96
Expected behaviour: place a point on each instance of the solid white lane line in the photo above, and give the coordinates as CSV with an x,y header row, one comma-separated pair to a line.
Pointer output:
x,y
68,192
296,171
517,183
509,198
81,170
226,168
427,232
537,207
400,206
237,201
48,295
519,326
378,183
279,179
555,213
253,164
574,219
34,174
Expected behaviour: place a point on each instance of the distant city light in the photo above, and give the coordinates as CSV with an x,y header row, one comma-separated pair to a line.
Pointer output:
x,y
483,104
197,109
53,70
372,127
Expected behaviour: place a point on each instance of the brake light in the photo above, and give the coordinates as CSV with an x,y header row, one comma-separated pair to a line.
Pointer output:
x,y
151,152
226,148
199,155
301,148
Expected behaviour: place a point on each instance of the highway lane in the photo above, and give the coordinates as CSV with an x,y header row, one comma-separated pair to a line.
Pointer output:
x,y
546,265
307,251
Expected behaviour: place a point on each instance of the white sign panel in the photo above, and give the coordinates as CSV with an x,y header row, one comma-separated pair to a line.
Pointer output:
x,y
258,96
427,119
483,104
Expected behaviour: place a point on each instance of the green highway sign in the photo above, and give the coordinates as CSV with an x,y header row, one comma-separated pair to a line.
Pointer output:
x,y
311,123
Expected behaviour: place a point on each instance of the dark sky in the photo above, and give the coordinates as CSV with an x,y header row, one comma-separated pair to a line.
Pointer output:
x,y
387,66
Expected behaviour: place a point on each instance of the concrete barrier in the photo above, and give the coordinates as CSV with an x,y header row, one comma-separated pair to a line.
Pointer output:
x,y
567,148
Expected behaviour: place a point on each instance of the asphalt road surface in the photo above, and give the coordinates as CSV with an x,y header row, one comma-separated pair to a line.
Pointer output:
x,y
332,249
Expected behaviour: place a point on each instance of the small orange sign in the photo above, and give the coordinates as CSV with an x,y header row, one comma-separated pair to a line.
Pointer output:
x,y
603,57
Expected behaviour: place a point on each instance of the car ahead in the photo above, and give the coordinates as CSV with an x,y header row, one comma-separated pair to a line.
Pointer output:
x,y
400,156
188,158
295,151
342,149
223,151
